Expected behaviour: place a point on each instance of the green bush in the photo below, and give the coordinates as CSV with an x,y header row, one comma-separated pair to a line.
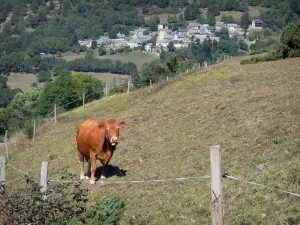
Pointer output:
x,y
63,204
107,211
269,56
28,128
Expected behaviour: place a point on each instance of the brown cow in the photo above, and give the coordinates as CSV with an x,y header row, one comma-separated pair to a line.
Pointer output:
x,y
97,140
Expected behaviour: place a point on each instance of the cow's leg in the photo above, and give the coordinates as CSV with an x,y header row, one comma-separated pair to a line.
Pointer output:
x,y
88,174
81,164
104,171
93,168
103,175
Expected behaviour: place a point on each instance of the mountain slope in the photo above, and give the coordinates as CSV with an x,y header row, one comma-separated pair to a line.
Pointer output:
x,y
251,110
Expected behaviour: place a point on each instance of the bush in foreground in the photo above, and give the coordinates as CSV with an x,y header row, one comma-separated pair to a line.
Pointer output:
x,y
63,204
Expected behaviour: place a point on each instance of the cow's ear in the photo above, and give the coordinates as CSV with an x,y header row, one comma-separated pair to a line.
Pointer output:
x,y
123,124
102,125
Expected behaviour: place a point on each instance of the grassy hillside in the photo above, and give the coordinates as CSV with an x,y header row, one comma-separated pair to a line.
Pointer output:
x,y
252,111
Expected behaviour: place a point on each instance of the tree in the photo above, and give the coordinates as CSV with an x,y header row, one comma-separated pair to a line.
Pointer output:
x,y
43,76
245,20
228,19
171,47
4,118
211,20
243,45
101,50
91,86
291,39
94,45
3,81
163,55
7,94
61,92
23,106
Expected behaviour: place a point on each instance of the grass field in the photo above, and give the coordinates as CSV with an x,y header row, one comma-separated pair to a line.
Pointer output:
x,y
254,12
22,81
163,16
252,111
69,56
108,77
139,58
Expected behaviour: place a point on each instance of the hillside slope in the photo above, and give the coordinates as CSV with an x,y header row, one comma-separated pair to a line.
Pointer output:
x,y
252,111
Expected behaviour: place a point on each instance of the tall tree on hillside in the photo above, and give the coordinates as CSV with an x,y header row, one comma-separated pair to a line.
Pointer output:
x,y
101,50
245,20
43,76
291,40
94,45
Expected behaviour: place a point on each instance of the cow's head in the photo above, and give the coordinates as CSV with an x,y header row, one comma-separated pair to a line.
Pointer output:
x,y
112,130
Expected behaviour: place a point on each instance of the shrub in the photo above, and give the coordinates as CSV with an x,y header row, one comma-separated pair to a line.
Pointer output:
x,y
64,204
269,56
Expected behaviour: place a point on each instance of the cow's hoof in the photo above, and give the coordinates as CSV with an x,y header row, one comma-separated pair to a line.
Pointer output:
x,y
82,177
86,177
92,182
102,177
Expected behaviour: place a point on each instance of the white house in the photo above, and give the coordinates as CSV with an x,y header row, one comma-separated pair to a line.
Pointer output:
x,y
87,43
162,26
232,27
148,47
256,24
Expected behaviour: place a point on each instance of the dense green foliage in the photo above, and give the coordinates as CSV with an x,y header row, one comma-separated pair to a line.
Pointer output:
x,y
291,40
66,203
40,26
102,65
289,47
262,45
66,91
7,94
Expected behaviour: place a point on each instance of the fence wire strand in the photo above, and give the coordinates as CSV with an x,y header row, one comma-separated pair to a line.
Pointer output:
x,y
21,171
261,185
136,181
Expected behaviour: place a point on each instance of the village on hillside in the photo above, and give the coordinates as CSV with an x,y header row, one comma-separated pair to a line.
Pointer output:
x,y
182,37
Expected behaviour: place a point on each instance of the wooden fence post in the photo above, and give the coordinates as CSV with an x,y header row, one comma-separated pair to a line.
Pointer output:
x,y
106,90
216,186
150,83
2,175
34,131
83,98
128,86
44,176
167,78
6,143
55,120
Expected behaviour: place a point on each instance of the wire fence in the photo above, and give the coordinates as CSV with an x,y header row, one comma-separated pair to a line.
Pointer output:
x,y
224,175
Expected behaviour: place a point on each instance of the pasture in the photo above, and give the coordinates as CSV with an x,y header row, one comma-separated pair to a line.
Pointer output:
x,y
21,80
163,16
139,58
252,111
24,81
254,12
109,77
